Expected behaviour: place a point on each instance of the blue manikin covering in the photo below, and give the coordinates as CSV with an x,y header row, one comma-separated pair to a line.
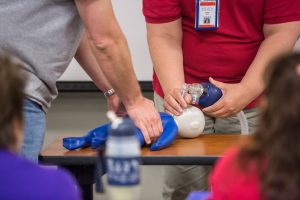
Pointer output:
x,y
97,137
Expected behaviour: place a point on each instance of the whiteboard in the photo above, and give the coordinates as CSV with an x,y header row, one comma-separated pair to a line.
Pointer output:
x,y
130,17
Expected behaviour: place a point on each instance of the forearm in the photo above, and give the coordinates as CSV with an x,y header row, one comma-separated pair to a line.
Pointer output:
x,y
116,64
88,62
166,52
276,43
110,48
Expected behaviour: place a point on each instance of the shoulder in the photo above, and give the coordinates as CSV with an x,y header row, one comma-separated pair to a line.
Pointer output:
x,y
161,11
226,162
56,183
225,167
61,183
278,11
42,182
53,182
228,179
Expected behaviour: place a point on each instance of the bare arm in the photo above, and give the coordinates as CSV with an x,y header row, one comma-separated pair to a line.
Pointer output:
x,y
88,62
166,52
279,39
110,49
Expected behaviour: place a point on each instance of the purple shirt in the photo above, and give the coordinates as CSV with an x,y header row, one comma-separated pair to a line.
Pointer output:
x,y
21,179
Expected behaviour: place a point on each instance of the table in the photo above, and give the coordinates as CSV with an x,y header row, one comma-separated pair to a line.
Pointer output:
x,y
203,150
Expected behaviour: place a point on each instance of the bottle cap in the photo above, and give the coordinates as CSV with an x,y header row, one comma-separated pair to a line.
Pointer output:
x,y
121,126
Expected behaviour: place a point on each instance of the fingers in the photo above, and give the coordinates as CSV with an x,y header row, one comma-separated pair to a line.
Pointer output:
x,y
147,119
114,103
168,112
146,129
172,107
219,84
223,113
188,98
151,132
174,102
215,107
156,132
158,121
179,98
121,114
153,126
145,133
221,109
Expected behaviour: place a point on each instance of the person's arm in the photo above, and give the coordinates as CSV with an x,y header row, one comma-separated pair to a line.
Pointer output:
x,y
279,39
88,62
166,52
110,49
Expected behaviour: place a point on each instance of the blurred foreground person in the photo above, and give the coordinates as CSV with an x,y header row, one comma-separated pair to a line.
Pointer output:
x,y
19,178
268,166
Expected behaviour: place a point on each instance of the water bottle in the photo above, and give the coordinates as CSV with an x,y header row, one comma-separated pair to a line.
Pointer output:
x,y
123,160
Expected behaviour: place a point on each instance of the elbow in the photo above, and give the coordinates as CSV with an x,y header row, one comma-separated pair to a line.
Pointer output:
x,y
106,44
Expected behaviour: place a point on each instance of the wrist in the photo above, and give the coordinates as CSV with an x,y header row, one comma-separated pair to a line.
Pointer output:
x,y
169,89
108,93
249,90
133,102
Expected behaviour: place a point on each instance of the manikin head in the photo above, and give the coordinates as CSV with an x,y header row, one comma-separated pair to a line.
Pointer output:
x,y
11,103
191,122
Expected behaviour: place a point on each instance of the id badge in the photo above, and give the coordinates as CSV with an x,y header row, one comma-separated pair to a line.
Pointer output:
x,y
207,14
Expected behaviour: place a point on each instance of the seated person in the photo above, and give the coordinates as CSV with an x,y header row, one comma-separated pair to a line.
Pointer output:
x,y
268,166
19,178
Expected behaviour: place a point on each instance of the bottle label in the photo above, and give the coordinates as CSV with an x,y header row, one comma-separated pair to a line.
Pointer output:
x,y
123,171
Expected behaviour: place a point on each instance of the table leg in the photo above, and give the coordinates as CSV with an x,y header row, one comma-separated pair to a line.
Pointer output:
x,y
85,177
87,191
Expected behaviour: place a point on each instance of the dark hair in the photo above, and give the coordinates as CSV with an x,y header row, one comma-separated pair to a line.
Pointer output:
x,y
11,100
275,145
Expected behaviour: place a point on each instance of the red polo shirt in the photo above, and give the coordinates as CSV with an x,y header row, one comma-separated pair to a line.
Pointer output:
x,y
224,54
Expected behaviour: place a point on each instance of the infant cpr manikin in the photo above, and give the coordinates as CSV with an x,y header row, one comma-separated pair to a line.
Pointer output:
x,y
190,123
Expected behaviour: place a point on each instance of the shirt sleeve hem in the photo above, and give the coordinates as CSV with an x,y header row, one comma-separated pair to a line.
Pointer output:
x,y
284,19
153,20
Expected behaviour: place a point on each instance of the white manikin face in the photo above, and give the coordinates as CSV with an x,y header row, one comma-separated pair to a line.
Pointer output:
x,y
190,123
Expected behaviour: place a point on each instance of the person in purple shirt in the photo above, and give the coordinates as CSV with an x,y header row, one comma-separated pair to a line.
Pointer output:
x,y
19,178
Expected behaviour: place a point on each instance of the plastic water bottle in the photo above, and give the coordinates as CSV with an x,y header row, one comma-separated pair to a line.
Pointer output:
x,y
123,160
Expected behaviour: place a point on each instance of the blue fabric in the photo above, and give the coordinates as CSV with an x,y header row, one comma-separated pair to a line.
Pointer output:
x,y
170,130
34,130
96,138
199,195
22,179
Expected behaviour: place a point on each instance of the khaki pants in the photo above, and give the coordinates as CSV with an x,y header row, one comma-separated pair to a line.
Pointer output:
x,y
179,180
